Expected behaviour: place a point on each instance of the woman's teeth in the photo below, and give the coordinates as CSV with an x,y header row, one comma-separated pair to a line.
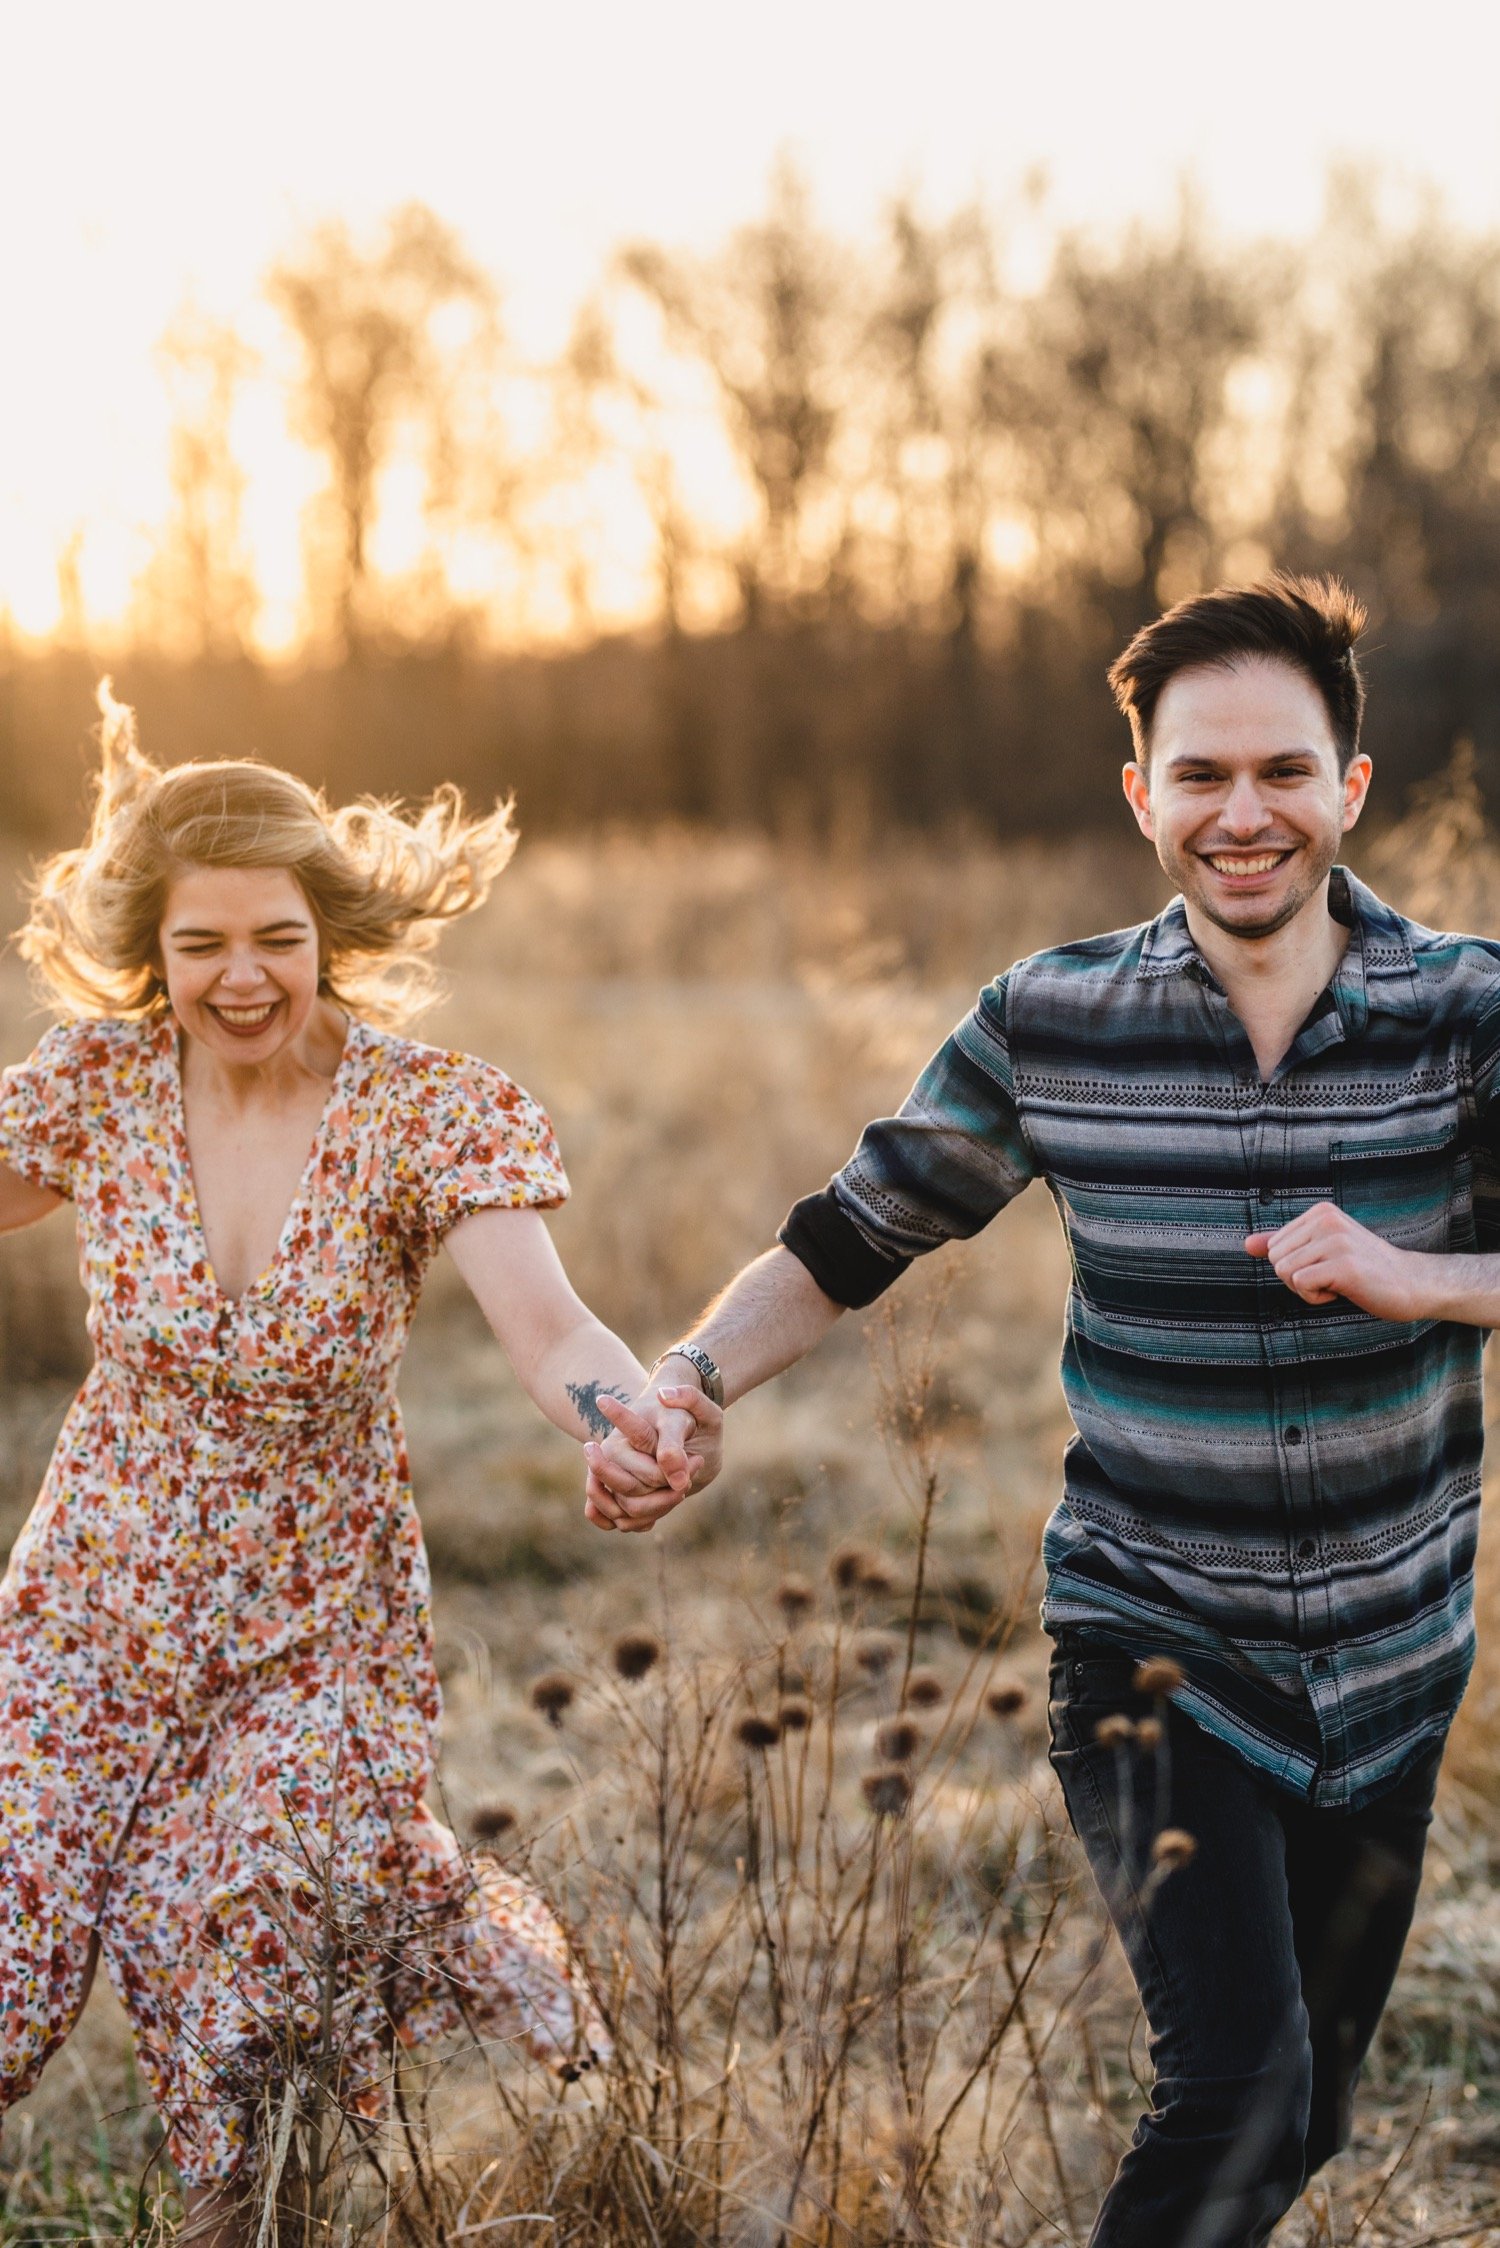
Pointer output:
x,y
1261,865
246,1018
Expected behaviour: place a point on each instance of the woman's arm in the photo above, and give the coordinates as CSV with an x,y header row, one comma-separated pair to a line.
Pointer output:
x,y
22,1203
565,1359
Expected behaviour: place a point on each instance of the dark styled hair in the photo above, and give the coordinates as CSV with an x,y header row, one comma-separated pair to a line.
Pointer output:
x,y
1309,623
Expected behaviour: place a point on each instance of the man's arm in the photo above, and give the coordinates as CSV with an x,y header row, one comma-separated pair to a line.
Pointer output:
x,y
937,1171
1324,1253
771,1314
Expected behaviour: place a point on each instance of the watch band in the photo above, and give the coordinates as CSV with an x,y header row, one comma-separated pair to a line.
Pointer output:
x,y
713,1380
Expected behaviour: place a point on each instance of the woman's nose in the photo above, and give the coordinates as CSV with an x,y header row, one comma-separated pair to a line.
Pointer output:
x,y
242,972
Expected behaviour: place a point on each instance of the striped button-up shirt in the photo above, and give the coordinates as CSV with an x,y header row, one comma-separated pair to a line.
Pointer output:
x,y
1283,1496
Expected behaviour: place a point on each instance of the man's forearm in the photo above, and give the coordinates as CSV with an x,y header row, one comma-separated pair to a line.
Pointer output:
x,y
769,1316
1462,1288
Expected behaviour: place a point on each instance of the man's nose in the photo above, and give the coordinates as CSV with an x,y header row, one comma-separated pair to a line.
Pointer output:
x,y
1244,813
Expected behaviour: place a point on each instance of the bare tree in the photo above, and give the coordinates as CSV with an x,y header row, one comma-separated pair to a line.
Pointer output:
x,y
371,361
766,318
197,595
1124,395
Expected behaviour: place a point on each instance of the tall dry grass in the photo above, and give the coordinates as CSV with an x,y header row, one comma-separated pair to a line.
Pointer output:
x,y
782,1765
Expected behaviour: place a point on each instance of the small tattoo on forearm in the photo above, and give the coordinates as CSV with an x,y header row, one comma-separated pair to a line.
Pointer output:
x,y
586,1396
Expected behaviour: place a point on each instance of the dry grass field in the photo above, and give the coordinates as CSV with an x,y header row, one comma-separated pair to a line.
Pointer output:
x,y
789,1782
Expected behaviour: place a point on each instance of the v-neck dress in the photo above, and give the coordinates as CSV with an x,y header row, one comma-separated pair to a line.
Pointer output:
x,y
218,1704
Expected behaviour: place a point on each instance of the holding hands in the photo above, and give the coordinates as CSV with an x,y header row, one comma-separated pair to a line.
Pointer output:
x,y
669,1442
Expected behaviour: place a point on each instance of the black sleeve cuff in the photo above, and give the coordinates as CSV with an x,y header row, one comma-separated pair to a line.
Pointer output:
x,y
822,1236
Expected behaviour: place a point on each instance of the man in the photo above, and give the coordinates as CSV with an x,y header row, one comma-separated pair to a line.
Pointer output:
x,y
1268,1120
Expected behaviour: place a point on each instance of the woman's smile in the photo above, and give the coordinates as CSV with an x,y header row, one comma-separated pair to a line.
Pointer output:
x,y
241,1020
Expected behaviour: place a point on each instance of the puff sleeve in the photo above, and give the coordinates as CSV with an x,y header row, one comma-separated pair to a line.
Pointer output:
x,y
477,1142
43,1109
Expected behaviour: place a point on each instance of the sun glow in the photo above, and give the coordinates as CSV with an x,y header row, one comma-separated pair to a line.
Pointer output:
x,y
169,155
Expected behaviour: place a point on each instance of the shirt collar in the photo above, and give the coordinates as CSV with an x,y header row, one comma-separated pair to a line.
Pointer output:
x,y
1377,975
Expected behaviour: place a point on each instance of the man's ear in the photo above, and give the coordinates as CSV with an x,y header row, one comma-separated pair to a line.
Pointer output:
x,y
1138,796
1356,788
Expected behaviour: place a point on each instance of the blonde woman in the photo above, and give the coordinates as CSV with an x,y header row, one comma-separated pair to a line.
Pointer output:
x,y
217,1695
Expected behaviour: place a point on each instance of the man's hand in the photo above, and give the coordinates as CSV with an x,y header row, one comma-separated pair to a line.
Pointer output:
x,y
668,1443
1324,1254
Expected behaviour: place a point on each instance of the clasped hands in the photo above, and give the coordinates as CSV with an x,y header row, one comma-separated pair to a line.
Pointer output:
x,y
669,1442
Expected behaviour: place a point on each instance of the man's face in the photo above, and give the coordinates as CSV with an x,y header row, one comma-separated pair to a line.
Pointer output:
x,y
1242,795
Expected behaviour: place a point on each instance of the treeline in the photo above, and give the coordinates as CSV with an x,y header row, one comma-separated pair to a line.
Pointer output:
x,y
969,460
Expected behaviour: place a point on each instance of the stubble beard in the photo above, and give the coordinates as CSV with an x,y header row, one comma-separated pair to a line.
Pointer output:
x,y
1184,869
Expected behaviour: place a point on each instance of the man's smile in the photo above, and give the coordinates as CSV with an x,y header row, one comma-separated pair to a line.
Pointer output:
x,y
1243,865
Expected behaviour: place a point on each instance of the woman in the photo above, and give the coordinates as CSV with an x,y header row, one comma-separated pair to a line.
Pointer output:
x,y
217,1696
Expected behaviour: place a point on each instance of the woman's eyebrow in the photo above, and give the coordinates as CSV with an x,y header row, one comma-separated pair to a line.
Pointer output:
x,y
268,929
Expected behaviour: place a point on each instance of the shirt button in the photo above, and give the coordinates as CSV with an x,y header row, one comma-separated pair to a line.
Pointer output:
x,y
1293,1435
1318,1665
1306,1550
1267,1194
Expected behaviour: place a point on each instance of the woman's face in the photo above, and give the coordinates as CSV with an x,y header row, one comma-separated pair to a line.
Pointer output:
x,y
239,955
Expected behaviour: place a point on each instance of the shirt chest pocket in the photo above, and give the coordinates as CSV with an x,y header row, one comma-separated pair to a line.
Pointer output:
x,y
1409,1191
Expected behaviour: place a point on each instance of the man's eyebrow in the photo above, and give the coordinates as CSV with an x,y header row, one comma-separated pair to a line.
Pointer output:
x,y
1214,757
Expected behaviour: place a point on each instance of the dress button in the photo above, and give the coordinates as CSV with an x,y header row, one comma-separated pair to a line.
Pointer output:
x,y
1293,1435
1306,1550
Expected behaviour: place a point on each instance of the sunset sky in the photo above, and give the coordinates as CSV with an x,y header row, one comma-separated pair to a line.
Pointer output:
x,y
170,151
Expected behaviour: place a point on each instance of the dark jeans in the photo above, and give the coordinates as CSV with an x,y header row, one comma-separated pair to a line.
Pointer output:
x,y
1263,1963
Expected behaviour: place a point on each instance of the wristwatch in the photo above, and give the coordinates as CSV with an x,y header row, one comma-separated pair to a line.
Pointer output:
x,y
713,1380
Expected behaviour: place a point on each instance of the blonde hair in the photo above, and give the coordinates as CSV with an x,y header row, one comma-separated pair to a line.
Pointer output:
x,y
381,886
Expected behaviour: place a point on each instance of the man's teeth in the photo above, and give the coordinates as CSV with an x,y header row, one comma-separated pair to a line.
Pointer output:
x,y
1262,865
245,1018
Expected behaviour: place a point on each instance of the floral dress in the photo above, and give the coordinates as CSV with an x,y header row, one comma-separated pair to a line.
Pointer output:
x,y
217,1695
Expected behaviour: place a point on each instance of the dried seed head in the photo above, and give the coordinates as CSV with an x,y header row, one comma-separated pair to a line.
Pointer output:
x,y
875,1651
756,1732
887,1790
1149,1732
924,1689
1158,1676
1174,1846
898,1739
849,1567
794,1596
878,1575
553,1694
795,1714
490,1820
1005,1698
636,1652
1114,1732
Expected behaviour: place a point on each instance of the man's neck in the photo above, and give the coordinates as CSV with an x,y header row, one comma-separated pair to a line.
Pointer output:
x,y
1271,982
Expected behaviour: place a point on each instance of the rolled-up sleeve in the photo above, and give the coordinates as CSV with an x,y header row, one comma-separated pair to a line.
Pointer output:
x,y
939,1170
1484,1071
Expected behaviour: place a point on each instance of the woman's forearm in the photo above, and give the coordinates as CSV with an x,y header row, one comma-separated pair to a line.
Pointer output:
x,y
564,1358
581,1366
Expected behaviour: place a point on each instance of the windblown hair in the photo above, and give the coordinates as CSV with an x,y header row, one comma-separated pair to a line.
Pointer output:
x,y
381,886
1310,623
